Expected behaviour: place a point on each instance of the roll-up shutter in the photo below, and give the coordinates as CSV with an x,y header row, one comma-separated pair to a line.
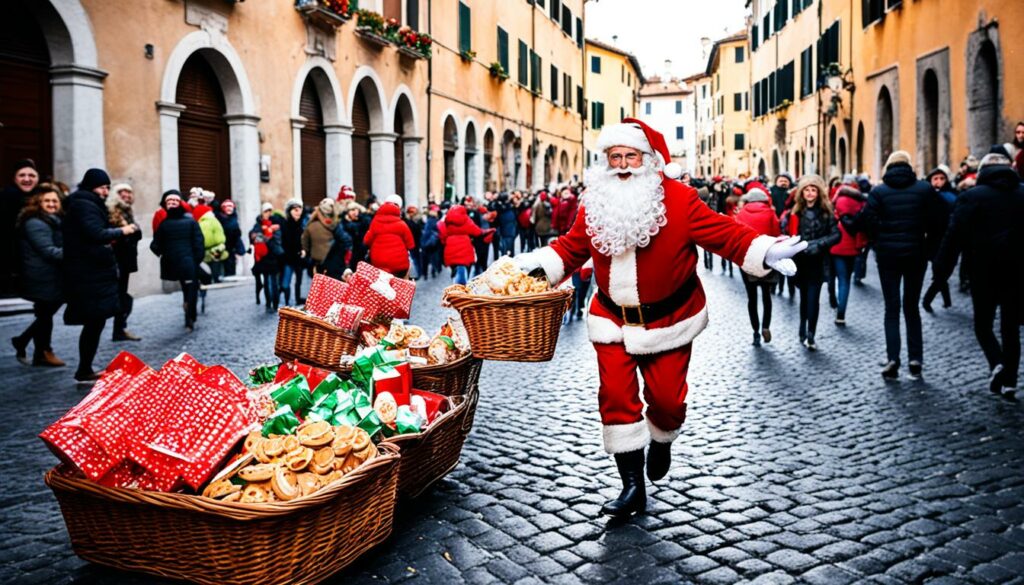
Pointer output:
x,y
313,143
204,157
361,162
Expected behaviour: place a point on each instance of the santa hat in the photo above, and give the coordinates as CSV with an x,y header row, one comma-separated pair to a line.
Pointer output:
x,y
635,134
396,199
346,192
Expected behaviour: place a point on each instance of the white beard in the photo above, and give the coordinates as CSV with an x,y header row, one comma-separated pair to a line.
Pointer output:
x,y
623,214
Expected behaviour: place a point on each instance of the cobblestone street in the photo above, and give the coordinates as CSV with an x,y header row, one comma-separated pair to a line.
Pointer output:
x,y
792,467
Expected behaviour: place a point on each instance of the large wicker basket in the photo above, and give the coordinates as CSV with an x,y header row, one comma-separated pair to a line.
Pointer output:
x,y
432,454
310,340
207,541
515,329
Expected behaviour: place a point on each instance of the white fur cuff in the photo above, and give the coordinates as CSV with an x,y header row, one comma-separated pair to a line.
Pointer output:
x,y
626,438
661,436
753,261
552,263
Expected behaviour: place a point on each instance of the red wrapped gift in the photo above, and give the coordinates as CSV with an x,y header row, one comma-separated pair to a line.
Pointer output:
x,y
288,370
397,380
324,292
345,316
380,293
434,403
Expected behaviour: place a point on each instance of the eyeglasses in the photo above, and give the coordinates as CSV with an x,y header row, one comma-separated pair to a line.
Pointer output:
x,y
616,158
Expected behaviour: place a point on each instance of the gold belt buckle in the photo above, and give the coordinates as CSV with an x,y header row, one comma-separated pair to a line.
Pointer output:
x,y
639,312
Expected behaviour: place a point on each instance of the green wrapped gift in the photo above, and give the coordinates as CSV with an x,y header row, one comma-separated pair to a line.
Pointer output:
x,y
407,421
295,393
324,408
262,374
371,423
363,366
282,422
329,385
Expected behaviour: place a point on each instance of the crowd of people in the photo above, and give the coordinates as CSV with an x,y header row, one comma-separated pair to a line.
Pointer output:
x,y
80,248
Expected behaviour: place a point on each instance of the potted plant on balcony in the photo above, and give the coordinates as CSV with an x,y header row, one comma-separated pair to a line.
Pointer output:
x,y
415,45
372,27
497,71
327,12
467,55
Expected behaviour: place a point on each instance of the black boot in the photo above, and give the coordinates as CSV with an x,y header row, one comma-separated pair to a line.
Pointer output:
x,y
659,459
633,498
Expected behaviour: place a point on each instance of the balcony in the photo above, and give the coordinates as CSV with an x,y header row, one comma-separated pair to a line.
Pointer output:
x,y
327,13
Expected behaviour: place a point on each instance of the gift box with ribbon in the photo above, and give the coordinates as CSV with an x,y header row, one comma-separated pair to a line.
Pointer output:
x,y
324,292
380,293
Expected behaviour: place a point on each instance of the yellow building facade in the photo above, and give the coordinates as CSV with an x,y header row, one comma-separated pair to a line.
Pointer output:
x,y
613,82
729,72
489,132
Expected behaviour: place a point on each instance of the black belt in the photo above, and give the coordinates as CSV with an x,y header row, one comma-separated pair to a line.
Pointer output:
x,y
645,313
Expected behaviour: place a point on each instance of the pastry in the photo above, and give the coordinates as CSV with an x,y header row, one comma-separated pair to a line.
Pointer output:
x,y
220,489
315,433
255,494
291,444
342,443
234,496
285,484
253,473
308,483
323,461
386,407
300,459
361,440
273,447
259,453
251,439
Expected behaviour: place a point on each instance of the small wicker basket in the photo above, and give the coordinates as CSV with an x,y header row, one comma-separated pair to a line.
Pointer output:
x,y
516,329
434,453
207,541
310,340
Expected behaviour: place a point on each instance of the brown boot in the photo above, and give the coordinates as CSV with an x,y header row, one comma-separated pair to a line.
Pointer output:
x,y
48,360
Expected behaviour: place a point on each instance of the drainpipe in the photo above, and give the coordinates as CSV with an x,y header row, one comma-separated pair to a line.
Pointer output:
x,y
430,93
533,102
819,149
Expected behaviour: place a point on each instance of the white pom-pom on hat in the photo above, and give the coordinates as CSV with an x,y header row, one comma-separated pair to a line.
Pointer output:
x,y
673,170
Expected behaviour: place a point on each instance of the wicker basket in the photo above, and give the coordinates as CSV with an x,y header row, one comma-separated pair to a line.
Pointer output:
x,y
514,329
432,454
310,340
207,541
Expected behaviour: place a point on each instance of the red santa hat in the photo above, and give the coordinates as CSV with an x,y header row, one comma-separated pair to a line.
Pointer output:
x,y
636,134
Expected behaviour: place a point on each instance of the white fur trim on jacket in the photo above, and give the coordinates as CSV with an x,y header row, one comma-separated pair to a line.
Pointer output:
x,y
646,341
753,261
622,279
629,135
552,263
661,436
626,438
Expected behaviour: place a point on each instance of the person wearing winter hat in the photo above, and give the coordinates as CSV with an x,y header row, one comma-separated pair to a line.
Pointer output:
x,y
90,266
119,205
779,193
986,225
294,260
268,253
318,237
25,179
228,218
642,228
939,179
389,239
756,212
180,245
902,213
845,254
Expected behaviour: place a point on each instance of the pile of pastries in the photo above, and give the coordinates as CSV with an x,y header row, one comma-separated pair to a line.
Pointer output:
x,y
450,343
281,468
503,278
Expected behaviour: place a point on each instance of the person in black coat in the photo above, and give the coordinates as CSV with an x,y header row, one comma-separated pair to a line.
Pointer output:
x,y
900,215
179,244
335,264
414,220
988,223
90,267
356,225
12,199
126,250
40,246
228,218
294,259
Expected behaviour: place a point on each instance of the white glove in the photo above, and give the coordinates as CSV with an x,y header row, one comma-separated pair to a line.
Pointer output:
x,y
527,262
779,256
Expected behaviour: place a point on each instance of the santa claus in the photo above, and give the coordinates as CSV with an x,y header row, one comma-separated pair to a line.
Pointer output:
x,y
641,228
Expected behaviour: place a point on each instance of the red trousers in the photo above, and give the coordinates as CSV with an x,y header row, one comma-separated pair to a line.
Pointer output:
x,y
622,412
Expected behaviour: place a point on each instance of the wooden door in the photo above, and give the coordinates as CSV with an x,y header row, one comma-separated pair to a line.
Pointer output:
x,y
204,155
26,110
362,163
314,146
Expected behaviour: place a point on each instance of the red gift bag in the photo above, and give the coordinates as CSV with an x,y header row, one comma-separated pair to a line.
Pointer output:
x,y
380,293
324,292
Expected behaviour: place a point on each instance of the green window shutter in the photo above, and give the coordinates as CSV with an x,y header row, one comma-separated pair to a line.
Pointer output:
x,y
535,85
554,84
524,67
581,107
503,49
465,39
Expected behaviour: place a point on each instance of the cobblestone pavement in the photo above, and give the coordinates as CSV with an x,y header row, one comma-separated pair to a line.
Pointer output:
x,y
793,466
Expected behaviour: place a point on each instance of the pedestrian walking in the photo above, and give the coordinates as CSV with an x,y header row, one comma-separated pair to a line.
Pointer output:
x,y
563,218
179,244
457,234
849,201
541,218
757,213
356,224
813,219
294,259
336,262
901,213
90,266
215,250
233,242
986,222
126,250
389,239
268,253
41,250
12,199
318,235
780,192
414,220
430,243
939,179
507,224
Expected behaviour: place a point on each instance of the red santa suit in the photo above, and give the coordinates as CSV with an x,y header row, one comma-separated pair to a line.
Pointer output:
x,y
627,341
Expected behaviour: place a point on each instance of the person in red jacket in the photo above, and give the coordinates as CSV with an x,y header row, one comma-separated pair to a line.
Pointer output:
x,y
565,213
389,238
849,201
757,213
457,233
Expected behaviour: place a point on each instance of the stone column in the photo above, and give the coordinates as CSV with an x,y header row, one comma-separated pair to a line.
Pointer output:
x,y
297,125
382,159
169,114
411,160
77,121
537,180
243,136
339,157
460,171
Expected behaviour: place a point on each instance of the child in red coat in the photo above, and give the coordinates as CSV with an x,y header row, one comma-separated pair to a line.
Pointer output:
x,y
757,213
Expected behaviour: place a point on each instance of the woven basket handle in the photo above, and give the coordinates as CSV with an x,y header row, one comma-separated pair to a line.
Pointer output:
x,y
472,398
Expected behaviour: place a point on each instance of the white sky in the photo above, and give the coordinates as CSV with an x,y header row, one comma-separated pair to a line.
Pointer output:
x,y
655,30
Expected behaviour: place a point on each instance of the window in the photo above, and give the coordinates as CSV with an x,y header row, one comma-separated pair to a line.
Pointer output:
x,y
579,32
679,106
753,38
647,108
757,99
465,39
412,14
737,102
786,82
567,20
503,49
581,106
679,132
629,78
766,30
554,84
806,72
772,96
524,67
622,113
556,10
535,81
828,50
704,91
872,10
595,64
566,90
596,115
746,101
740,54
739,142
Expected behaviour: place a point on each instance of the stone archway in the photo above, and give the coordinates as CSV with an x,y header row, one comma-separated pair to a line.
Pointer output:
x,y
860,147
884,133
372,136
489,182
563,168
406,146
473,179
841,161
450,134
776,164
832,149
316,81
761,168
984,97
